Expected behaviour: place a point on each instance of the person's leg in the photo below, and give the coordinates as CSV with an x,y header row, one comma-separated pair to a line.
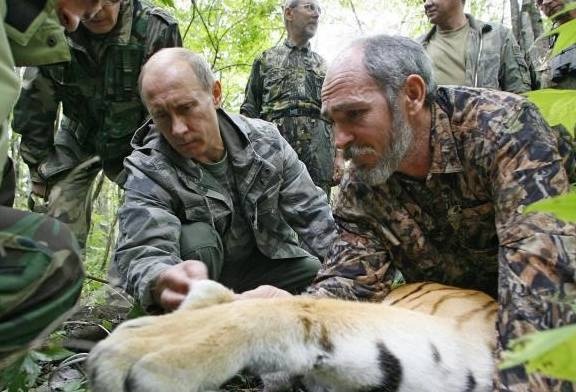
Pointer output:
x,y
200,241
70,199
293,275
40,279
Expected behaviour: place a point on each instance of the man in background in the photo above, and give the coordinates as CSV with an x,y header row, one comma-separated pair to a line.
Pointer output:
x,y
469,52
284,88
101,108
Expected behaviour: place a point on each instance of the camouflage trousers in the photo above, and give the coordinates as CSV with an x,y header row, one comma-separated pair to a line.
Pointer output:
x,y
311,139
69,199
200,241
40,279
69,172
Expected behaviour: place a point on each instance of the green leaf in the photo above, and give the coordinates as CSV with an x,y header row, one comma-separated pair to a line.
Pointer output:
x,y
563,207
50,354
168,3
552,353
557,106
31,369
566,34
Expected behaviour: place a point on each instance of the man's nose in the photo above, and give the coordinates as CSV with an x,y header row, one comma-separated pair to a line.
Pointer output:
x,y
70,17
342,137
179,126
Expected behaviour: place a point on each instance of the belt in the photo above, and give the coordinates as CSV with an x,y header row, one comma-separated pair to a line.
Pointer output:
x,y
294,112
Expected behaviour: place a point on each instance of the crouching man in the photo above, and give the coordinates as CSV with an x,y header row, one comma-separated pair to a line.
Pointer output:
x,y
212,195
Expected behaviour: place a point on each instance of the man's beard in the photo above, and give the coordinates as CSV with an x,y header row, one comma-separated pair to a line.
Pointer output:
x,y
390,160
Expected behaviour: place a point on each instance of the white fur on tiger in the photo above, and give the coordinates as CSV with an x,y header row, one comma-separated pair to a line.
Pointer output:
x,y
331,345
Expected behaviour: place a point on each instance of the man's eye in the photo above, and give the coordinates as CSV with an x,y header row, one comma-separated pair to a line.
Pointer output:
x,y
354,114
159,116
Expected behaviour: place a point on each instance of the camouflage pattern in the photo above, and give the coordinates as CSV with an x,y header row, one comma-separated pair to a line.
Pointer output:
x,y
40,269
493,57
284,87
40,279
101,107
492,154
163,191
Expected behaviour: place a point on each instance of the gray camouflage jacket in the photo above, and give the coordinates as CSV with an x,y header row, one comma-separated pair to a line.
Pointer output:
x,y
163,190
493,57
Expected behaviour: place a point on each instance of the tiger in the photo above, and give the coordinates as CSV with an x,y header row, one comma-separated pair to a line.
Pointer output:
x,y
423,337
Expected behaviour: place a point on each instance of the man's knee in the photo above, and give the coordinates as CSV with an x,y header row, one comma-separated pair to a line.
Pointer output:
x,y
40,278
200,241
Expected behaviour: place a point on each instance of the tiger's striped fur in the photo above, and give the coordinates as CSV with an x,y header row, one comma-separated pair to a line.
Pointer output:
x,y
427,337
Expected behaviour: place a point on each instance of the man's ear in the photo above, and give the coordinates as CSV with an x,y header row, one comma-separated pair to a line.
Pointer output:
x,y
414,94
217,93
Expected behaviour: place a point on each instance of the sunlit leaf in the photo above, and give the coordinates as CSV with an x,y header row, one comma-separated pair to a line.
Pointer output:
x,y
563,207
168,3
557,106
552,353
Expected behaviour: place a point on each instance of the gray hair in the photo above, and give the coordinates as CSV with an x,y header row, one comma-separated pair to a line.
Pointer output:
x,y
197,63
389,60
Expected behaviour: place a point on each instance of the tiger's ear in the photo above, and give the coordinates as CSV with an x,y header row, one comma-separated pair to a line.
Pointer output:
x,y
205,293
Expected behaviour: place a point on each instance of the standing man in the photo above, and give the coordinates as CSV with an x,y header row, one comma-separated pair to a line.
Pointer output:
x,y
213,195
556,68
40,268
438,181
101,108
469,52
284,88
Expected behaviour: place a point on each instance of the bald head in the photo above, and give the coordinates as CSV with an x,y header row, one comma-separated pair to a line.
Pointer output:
x,y
172,59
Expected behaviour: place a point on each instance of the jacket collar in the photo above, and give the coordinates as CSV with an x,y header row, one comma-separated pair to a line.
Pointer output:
x,y
291,46
475,24
240,151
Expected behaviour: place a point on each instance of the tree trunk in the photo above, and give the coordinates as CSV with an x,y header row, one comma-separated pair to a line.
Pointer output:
x,y
516,20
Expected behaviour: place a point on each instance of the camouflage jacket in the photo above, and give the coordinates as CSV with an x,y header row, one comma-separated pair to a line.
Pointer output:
x,y
284,77
492,154
28,36
493,57
163,190
98,88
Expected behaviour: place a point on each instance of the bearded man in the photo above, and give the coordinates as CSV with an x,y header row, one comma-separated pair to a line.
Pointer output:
x,y
437,184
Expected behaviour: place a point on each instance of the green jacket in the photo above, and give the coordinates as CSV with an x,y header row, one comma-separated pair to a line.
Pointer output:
x,y
98,91
493,57
164,190
38,39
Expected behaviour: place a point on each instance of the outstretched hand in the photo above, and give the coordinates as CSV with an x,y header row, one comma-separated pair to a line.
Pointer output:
x,y
173,284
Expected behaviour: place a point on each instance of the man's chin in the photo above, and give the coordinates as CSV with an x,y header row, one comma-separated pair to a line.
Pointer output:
x,y
372,176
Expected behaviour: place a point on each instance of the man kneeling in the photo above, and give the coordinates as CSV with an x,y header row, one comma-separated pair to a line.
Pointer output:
x,y
206,189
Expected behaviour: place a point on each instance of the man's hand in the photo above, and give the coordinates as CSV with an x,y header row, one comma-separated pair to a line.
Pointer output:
x,y
264,291
173,284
